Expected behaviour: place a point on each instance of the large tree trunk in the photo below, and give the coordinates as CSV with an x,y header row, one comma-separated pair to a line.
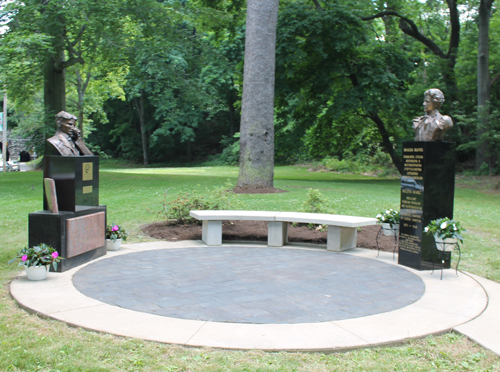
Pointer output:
x,y
483,83
257,112
139,103
54,93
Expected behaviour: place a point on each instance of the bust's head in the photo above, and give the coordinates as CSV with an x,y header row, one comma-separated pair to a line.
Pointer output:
x,y
66,123
433,100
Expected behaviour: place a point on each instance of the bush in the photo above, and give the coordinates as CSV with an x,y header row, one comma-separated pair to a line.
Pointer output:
x,y
230,154
222,198
316,202
370,160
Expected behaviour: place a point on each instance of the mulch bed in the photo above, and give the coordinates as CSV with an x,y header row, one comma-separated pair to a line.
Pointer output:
x,y
257,231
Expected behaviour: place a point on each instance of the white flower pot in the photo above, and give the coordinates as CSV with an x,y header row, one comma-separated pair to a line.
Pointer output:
x,y
36,272
390,231
447,244
113,245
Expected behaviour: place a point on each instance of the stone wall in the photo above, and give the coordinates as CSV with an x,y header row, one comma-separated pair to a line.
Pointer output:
x,y
16,145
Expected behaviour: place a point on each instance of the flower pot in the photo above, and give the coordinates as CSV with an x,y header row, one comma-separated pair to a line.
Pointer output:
x,y
447,244
390,231
36,272
113,245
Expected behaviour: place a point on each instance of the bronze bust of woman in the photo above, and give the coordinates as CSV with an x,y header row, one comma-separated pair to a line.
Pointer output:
x,y
433,125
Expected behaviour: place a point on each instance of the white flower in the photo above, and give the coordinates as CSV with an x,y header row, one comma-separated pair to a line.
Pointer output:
x,y
379,215
387,212
443,225
426,229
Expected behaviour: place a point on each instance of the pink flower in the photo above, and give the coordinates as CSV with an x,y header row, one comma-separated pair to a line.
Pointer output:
x,y
24,258
54,254
115,228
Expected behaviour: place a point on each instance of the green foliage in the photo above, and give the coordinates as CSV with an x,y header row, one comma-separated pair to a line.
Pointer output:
x,y
370,159
316,203
445,228
177,210
230,154
39,255
390,216
113,232
331,78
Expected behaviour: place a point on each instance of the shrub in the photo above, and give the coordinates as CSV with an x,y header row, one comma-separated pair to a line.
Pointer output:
x,y
315,202
222,198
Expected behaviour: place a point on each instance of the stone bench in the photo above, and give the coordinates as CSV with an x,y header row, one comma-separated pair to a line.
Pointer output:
x,y
342,230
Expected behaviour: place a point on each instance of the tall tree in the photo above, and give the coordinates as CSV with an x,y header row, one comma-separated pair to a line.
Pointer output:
x,y
449,56
257,114
484,84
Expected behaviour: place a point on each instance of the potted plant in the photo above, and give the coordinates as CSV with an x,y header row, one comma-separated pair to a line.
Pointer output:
x,y
447,233
390,222
114,236
37,260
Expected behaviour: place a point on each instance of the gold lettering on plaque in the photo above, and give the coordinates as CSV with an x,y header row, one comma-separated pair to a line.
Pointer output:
x,y
87,189
87,172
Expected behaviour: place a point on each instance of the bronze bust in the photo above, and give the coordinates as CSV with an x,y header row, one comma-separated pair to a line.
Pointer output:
x,y
67,141
433,125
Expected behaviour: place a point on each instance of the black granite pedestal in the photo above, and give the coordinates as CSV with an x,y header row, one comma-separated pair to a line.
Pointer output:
x,y
78,236
427,193
76,179
77,229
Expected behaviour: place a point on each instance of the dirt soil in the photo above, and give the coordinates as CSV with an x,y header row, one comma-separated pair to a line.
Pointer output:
x,y
257,231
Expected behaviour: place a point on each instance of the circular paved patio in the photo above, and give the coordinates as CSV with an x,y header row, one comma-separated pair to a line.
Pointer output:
x,y
250,285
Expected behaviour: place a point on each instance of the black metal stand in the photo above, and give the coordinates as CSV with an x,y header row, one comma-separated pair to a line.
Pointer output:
x,y
395,233
443,255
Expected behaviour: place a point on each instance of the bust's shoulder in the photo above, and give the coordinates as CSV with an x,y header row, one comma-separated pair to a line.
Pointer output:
x,y
446,121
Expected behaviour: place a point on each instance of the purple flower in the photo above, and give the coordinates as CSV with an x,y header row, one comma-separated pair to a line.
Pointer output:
x,y
24,258
54,254
115,228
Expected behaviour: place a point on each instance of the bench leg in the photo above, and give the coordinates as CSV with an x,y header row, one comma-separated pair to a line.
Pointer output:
x,y
277,233
341,238
211,232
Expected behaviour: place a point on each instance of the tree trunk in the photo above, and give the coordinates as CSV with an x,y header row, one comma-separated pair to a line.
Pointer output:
x,y
54,94
483,83
139,103
257,112
387,142
81,87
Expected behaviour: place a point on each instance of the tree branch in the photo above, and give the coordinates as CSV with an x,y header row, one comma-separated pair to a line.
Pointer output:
x,y
317,4
80,34
71,62
410,28
383,132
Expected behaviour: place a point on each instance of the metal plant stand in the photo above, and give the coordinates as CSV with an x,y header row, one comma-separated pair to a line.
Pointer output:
x,y
394,233
445,254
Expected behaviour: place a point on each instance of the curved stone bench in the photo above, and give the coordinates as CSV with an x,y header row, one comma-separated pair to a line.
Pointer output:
x,y
342,230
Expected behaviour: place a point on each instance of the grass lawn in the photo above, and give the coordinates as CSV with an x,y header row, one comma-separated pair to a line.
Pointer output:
x,y
133,195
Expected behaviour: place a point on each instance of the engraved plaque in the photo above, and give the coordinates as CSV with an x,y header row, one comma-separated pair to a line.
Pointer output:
x,y
85,233
87,171
87,189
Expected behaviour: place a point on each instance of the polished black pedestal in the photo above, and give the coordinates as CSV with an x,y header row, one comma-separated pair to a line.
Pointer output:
x,y
76,179
78,236
78,230
427,193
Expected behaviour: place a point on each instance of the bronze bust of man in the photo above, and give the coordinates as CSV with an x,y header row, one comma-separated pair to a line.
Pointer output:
x,y
433,125
67,141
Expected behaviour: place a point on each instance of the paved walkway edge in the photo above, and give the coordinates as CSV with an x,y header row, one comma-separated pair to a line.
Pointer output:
x,y
485,329
447,304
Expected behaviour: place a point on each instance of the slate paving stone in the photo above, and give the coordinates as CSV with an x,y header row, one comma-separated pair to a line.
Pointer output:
x,y
250,285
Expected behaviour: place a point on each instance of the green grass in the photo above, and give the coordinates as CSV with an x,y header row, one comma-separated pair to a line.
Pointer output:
x,y
29,343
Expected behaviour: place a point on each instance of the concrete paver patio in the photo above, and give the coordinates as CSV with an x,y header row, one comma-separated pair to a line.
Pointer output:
x,y
248,296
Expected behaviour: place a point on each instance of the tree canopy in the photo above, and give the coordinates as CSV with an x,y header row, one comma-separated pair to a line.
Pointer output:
x,y
162,81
